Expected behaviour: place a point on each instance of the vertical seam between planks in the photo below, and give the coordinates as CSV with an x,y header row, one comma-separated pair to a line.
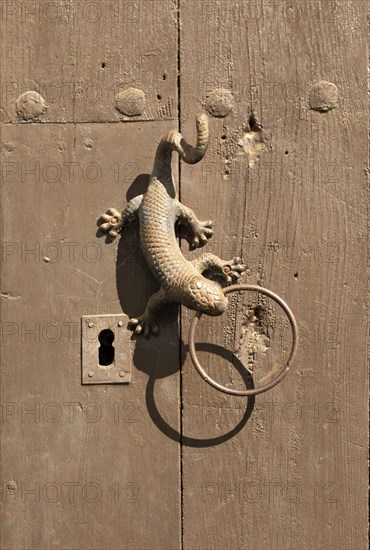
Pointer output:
x,y
180,309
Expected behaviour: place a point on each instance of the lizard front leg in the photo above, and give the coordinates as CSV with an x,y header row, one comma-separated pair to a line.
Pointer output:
x,y
229,269
147,322
113,221
199,232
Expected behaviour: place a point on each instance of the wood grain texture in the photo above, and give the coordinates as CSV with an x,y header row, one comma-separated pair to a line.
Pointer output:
x,y
80,55
291,473
93,467
105,476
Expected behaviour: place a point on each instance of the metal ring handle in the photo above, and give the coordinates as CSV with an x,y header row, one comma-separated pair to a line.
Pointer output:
x,y
282,373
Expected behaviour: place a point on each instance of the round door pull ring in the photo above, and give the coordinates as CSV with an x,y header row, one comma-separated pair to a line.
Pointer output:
x,y
283,372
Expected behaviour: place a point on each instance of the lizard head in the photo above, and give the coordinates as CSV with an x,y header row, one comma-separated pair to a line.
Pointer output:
x,y
206,296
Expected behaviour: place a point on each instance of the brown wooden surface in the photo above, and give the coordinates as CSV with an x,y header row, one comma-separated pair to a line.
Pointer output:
x,y
113,443
79,55
295,475
162,463
105,475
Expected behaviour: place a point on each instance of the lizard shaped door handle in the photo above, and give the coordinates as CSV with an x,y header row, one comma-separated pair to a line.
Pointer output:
x,y
181,280
158,209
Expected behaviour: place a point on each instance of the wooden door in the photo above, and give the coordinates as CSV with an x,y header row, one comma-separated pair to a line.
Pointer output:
x,y
83,465
165,461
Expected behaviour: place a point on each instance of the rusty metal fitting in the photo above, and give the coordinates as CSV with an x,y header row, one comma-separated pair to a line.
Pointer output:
x,y
283,372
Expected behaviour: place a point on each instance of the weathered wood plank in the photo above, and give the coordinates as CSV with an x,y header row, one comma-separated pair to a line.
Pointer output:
x,y
295,475
103,474
80,55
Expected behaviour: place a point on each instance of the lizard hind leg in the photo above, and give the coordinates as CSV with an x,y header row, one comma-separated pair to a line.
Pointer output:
x,y
198,232
112,222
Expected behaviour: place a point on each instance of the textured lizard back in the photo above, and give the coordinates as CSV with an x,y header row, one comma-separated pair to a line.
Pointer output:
x,y
158,217
159,243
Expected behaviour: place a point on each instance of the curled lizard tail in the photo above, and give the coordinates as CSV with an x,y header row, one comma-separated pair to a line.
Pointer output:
x,y
189,154
174,141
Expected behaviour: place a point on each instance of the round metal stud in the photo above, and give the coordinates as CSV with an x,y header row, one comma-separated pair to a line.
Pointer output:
x,y
323,96
131,101
30,105
220,102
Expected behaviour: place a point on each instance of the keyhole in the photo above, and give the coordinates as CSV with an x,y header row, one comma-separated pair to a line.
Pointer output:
x,y
106,349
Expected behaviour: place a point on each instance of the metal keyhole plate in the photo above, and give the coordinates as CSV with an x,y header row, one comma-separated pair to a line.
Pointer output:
x,y
107,349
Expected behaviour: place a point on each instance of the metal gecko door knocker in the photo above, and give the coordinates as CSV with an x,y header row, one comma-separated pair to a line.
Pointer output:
x,y
182,281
